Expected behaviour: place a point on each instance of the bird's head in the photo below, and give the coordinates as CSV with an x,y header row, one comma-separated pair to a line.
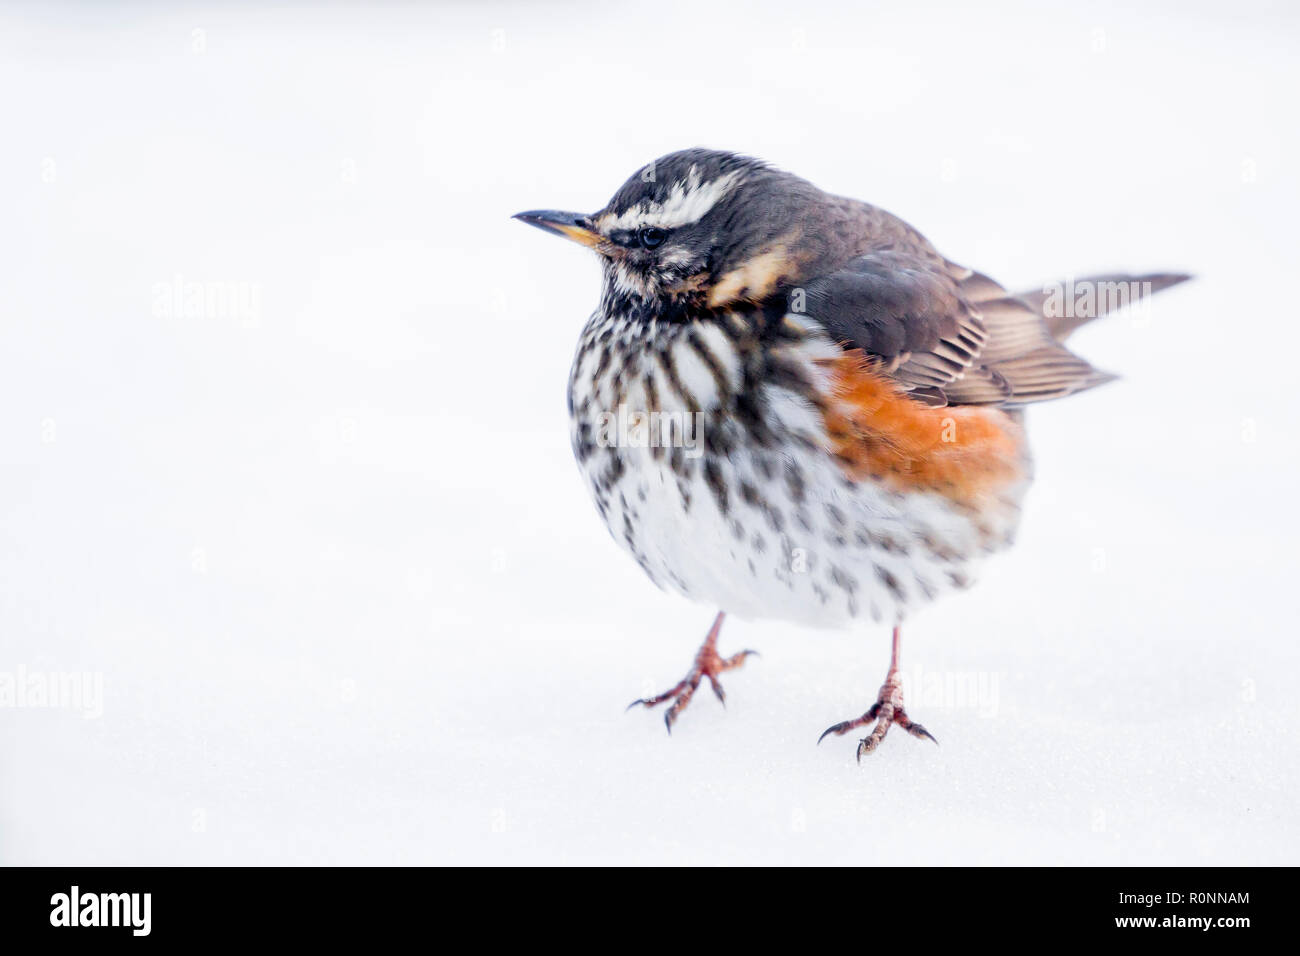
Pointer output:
x,y
701,228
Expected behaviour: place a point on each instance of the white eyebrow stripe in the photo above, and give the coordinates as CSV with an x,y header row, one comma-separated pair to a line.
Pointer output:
x,y
688,201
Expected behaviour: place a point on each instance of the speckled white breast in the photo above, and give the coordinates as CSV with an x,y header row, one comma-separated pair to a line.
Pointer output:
x,y
758,529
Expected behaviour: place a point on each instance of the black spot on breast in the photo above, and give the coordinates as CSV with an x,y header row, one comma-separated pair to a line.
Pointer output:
x,y
651,394
717,484
719,439
614,471
794,481
888,579
939,548
775,519
843,580
582,443
879,539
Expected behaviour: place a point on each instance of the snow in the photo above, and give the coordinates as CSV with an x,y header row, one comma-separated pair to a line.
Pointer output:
x,y
329,555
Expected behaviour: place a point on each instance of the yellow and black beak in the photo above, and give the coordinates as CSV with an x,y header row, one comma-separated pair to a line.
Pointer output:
x,y
571,225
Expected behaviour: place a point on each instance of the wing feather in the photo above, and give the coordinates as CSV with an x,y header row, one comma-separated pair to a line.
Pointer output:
x,y
946,334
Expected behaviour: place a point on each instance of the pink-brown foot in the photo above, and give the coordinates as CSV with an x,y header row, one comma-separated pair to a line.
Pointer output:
x,y
708,663
886,712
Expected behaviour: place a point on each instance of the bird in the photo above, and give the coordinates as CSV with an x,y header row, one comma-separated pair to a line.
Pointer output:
x,y
788,405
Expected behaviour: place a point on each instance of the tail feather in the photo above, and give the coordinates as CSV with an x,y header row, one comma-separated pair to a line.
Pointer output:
x,y
1024,352
1107,293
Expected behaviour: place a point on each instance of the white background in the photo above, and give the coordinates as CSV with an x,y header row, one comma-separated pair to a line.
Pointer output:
x,y
334,563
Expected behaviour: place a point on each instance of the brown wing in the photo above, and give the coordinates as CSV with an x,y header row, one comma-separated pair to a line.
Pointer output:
x,y
944,333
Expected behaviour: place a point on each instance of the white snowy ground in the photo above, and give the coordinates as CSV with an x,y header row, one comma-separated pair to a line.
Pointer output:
x,y
331,559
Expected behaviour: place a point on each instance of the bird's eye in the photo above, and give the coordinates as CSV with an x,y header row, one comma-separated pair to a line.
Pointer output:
x,y
651,237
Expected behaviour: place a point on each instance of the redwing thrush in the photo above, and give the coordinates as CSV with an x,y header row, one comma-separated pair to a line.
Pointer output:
x,y
790,405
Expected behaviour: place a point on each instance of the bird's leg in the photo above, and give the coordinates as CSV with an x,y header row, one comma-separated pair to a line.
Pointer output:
x,y
886,711
707,664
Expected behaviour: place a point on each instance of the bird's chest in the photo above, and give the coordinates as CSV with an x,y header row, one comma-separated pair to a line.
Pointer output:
x,y
715,471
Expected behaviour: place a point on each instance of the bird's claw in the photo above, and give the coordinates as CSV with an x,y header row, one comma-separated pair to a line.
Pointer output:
x,y
885,713
708,663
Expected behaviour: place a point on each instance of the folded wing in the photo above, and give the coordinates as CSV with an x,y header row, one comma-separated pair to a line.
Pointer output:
x,y
950,336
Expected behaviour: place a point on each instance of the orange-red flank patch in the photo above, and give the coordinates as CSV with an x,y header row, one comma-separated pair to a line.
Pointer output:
x,y
878,432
